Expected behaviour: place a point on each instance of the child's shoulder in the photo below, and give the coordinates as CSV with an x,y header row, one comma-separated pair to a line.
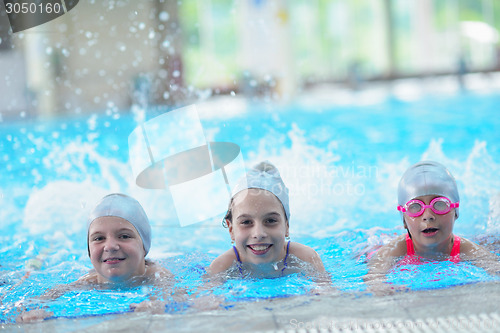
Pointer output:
x,y
472,250
479,256
90,278
307,254
222,262
382,261
395,248
301,251
158,271
467,247
159,275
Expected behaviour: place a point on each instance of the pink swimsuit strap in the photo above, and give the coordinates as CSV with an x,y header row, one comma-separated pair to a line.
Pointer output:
x,y
455,250
410,251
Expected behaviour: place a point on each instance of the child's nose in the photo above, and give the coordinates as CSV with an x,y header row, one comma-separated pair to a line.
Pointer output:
x,y
111,245
428,214
259,231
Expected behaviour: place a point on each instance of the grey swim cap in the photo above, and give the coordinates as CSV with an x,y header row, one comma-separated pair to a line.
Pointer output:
x,y
265,176
121,205
427,178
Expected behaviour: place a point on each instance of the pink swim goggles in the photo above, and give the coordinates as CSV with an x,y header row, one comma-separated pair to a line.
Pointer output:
x,y
439,205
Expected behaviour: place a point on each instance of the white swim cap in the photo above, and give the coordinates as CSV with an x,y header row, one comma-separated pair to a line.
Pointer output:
x,y
427,178
127,208
265,176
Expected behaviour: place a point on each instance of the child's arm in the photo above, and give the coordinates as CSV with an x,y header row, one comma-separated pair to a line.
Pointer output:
x,y
41,313
204,299
479,256
33,316
381,263
162,278
307,254
322,277
221,263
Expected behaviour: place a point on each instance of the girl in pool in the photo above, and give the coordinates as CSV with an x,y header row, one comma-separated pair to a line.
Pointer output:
x,y
257,219
118,240
428,201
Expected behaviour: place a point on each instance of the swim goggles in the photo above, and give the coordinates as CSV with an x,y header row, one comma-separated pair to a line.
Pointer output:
x,y
439,205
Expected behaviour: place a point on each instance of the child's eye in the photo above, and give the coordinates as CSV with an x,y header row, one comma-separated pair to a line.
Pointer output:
x,y
246,222
271,221
125,236
97,238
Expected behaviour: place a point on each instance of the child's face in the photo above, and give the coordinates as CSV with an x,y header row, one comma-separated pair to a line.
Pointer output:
x,y
431,230
258,226
116,249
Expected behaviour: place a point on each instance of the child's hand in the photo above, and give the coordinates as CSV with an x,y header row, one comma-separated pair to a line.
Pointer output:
x,y
324,285
325,290
153,307
207,302
33,316
384,289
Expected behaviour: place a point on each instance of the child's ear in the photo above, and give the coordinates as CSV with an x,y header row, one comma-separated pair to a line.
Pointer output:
x,y
230,227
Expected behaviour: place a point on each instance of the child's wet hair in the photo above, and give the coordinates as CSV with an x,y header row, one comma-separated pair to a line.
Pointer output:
x,y
229,215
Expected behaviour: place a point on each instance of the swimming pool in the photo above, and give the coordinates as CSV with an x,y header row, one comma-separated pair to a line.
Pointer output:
x,y
341,162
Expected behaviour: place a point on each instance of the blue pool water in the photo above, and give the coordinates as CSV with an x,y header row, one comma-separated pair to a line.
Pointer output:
x,y
341,163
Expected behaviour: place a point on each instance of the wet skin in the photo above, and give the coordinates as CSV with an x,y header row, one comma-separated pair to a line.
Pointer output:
x,y
432,234
259,227
116,250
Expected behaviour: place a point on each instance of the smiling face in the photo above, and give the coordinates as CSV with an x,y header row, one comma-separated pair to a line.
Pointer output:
x,y
431,232
258,226
116,249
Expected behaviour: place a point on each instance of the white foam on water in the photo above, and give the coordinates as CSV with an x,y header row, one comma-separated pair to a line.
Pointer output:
x,y
61,206
325,191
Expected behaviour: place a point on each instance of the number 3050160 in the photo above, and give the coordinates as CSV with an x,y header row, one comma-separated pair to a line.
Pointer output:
x,y
32,8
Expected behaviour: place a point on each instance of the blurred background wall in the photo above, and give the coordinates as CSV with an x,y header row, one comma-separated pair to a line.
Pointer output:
x,y
108,55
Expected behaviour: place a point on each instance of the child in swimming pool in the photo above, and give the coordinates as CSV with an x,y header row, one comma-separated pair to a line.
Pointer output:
x,y
258,222
428,201
118,240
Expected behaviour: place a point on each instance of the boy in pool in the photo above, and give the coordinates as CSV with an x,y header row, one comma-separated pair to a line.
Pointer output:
x,y
428,201
257,219
118,240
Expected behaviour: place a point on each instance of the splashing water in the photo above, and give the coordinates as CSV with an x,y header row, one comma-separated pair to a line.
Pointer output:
x,y
341,164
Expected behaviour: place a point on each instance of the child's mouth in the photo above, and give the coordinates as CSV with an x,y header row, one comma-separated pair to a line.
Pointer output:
x,y
259,249
428,232
112,261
